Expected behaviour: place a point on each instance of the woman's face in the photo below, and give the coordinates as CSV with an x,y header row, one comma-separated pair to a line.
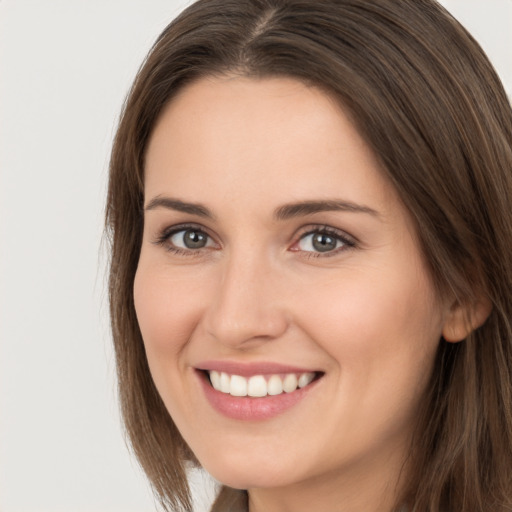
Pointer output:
x,y
275,250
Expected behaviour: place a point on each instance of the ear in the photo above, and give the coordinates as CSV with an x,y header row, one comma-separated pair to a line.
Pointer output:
x,y
463,319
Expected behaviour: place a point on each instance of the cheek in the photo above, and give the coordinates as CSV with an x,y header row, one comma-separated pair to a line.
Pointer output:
x,y
374,324
167,311
381,336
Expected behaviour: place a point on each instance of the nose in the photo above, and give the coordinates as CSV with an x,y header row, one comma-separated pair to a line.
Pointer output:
x,y
247,307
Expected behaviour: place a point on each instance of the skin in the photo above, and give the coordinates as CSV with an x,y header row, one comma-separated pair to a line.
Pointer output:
x,y
366,313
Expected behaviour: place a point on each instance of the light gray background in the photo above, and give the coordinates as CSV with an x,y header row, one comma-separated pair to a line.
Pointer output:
x,y
65,67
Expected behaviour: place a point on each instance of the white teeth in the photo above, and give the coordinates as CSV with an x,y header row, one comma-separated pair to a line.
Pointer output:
x,y
290,383
275,385
258,385
238,386
215,379
305,379
225,385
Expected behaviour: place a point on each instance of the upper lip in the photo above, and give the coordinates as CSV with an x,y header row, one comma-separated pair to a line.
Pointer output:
x,y
250,369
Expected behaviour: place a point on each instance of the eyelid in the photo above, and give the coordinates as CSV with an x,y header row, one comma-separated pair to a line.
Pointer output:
x,y
165,234
348,240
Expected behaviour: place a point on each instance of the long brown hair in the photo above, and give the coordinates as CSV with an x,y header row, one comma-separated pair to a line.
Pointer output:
x,y
427,101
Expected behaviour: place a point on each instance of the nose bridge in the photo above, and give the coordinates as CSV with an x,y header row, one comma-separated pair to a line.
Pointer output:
x,y
246,306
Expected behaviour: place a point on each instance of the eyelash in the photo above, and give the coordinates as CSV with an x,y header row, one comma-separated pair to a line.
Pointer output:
x,y
164,238
348,241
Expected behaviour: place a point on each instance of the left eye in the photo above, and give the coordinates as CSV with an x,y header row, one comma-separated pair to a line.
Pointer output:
x,y
190,239
320,242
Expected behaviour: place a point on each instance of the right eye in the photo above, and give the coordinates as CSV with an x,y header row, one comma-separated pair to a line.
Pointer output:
x,y
185,240
190,238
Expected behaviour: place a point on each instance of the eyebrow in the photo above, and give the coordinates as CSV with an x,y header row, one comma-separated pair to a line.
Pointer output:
x,y
285,212
304,208
180,206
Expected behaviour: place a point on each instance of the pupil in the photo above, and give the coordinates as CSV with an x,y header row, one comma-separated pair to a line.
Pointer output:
x,y
194,239
323,242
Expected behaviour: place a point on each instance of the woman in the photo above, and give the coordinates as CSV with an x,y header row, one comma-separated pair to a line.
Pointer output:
x,y
309,209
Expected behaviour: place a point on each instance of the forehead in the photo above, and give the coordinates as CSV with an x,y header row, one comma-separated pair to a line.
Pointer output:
x,y
277,139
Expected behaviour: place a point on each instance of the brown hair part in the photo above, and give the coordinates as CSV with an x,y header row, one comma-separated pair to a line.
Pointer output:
x,y
427,101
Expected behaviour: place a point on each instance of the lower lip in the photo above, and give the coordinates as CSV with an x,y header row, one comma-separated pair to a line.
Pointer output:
x,y
252,408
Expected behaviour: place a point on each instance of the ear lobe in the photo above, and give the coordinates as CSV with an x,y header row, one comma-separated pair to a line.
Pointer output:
x,y
462,320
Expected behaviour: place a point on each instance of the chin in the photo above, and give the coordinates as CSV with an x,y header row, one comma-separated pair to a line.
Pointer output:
x,y
241,472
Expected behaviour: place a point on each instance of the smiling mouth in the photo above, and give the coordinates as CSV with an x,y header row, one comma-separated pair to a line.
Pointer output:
x,y
260,385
